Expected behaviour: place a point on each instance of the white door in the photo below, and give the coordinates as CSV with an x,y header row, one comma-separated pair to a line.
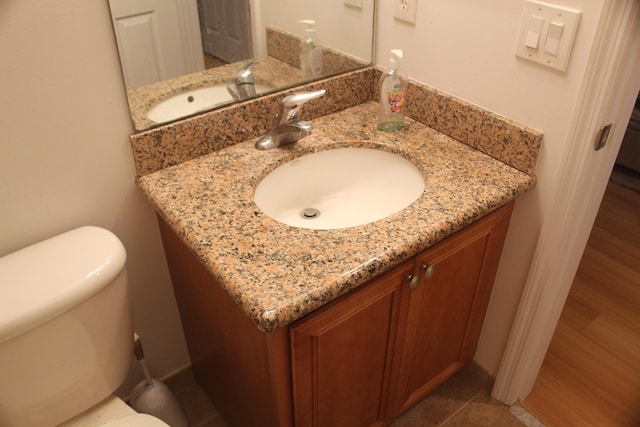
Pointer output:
x,y
226,29
150,40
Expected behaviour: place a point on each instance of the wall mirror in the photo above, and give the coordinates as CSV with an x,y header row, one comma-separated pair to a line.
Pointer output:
x,y
184,57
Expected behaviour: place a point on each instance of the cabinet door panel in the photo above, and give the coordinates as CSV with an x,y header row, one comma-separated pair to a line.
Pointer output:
x,y
441,314
446,311
341,356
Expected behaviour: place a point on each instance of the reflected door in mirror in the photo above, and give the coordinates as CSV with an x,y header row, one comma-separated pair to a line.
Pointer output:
x,y
150,38
226,29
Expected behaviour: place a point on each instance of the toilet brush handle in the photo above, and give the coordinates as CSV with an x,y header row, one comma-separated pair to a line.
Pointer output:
x,y
137,347
139,352
147,375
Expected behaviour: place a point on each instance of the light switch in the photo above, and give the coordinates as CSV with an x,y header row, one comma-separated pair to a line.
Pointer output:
x,y
546,34
554,35
535,29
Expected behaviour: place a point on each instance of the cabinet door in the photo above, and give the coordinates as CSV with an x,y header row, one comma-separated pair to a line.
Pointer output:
x,y
446,310
340,355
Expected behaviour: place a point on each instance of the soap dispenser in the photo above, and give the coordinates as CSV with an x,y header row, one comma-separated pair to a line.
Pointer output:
x,y
310,52
393,90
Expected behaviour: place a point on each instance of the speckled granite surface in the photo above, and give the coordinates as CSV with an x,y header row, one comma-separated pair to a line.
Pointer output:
x,y
508,141
495,135
187,139
277,273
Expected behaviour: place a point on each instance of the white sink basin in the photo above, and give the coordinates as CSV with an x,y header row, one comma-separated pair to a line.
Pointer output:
x,y
339,188
190,102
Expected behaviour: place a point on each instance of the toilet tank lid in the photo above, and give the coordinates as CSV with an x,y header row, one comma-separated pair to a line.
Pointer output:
x,y
49,278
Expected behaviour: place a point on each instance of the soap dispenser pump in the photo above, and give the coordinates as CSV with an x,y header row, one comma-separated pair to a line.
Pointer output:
x,y
393,90
310,52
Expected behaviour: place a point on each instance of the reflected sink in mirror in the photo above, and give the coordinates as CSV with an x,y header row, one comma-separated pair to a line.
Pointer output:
x,y
193,101
339,188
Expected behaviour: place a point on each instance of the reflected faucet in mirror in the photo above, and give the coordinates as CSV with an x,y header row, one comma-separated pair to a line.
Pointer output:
x,y
288,128
243,86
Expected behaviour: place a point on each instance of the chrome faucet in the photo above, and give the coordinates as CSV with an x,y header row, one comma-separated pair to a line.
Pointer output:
x,y
243,86
287,128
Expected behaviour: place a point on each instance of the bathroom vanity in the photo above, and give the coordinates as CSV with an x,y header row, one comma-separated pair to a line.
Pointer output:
x,y
290,326
358,361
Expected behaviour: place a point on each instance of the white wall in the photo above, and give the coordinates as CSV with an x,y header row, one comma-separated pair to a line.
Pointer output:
x,y
65,159
466,48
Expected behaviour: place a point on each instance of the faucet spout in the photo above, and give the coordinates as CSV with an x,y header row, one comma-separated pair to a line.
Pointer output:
x,y
287,127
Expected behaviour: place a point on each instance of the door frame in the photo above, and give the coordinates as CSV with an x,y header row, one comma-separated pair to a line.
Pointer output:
x,y
611,86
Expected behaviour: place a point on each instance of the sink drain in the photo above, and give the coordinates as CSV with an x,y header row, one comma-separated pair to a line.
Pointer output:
x,y
310,213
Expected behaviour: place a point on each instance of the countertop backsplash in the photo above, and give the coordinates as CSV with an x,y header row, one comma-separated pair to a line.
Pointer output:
x,y
497,136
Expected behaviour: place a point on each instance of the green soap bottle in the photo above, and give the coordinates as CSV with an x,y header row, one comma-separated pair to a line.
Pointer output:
x,y
393,91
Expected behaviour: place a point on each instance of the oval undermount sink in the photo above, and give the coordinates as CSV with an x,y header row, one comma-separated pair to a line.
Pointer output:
x,y
192,101
339,188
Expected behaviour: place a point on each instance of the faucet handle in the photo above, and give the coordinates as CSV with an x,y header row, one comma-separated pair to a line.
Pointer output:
x,y
291,104
297,99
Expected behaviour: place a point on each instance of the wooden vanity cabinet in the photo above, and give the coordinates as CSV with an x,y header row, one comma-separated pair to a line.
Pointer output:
x,y
245,373
375,352
360,360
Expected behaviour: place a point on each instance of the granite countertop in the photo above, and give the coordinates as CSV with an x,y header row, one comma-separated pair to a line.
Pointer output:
x,y
277,273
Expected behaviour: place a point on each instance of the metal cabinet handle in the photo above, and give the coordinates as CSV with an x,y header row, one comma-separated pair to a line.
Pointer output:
x,y
414,281
429,271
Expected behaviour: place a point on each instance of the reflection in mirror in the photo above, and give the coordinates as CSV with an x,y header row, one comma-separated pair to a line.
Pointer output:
x,y
184,57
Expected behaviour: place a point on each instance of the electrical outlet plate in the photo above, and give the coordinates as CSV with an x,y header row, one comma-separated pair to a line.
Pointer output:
x,y
354,3
405,10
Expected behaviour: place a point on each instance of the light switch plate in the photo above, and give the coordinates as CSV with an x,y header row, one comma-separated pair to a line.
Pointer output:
x,y
354,3
569,18
405,10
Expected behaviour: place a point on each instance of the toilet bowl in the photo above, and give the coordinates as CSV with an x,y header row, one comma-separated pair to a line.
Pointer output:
x,y
66,335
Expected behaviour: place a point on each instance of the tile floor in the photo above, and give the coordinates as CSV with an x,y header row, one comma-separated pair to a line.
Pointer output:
x,y
463,400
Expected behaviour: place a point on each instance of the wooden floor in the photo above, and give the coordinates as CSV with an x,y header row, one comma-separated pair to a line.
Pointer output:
x,y
591,374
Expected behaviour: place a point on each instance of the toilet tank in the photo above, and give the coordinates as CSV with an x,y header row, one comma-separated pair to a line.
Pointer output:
x,y
66,337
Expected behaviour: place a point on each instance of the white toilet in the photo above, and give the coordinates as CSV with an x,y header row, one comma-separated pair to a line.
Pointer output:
x,y
66,335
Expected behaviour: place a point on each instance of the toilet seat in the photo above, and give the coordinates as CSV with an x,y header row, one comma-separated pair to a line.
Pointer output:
x,y
113,412
136,420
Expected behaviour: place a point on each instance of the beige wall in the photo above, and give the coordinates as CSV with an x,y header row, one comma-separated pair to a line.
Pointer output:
x,y
466,48
65,159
